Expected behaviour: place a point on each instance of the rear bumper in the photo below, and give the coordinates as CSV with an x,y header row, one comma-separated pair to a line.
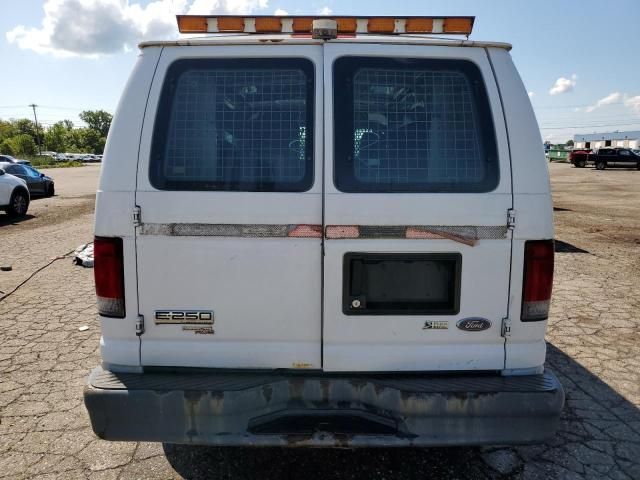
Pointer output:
x,y
323,409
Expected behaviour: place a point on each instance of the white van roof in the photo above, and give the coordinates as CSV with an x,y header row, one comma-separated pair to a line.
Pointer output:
x,y
250,39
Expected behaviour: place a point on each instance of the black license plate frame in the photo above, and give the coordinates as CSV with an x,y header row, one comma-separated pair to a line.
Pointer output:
x,y
357,270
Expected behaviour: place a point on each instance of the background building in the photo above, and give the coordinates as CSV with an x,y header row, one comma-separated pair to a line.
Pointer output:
x,y
610,139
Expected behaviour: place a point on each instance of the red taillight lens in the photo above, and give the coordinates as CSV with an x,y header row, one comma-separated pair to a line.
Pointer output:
x,y
538,280
108,267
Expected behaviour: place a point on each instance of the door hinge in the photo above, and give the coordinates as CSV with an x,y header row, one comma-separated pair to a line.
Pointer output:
x,y
506,327
137,216
511,218
140,325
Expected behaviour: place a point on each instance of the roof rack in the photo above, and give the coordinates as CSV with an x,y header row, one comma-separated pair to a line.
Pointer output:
x,y
325,27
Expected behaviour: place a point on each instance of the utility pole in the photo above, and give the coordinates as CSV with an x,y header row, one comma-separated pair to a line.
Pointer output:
x,y
33,105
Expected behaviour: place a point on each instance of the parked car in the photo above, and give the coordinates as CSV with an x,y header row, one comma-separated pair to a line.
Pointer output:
x,y
7,159
66,157
578,158
38,183
83,157
14,194
310,242
606,157
10,159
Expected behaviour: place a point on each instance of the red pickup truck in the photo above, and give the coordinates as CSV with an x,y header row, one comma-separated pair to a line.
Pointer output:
x,y
605,157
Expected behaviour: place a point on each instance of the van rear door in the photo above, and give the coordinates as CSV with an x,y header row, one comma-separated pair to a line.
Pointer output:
x,y
230,191
417,192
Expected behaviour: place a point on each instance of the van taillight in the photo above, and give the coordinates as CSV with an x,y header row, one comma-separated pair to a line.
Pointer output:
x,y
538,280
108,268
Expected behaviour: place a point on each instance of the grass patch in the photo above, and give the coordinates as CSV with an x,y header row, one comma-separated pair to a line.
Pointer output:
x,y
48,162
59,164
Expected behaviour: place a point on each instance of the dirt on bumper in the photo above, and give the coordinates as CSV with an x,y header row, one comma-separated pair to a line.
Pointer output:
x,y
323,409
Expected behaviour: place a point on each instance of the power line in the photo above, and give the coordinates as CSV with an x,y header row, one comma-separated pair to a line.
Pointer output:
x,y
590,126
77,109
575,106
591,117
583,121
52,107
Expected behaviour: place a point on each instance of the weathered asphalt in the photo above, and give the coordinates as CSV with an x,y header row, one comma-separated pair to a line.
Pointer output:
x,y
593,338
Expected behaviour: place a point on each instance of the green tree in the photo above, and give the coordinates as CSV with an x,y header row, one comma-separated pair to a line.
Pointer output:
x,y
74,141
55,137
26,126
21,137
98,120
7,130
6,147
91,140
569,143
23,144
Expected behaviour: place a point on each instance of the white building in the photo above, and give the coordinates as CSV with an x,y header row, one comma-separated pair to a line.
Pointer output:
x,y
609,139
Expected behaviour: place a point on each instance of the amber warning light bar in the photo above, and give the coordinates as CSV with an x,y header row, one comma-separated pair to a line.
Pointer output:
x,y
325,27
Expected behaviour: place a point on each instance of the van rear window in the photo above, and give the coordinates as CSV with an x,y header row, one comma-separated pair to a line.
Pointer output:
x,y
412,125
237,124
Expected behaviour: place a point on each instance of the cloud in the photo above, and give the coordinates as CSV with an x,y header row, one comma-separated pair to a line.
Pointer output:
x,y
325,11
240,7
531,94
281,12
633,103
563,85
614,97
92,28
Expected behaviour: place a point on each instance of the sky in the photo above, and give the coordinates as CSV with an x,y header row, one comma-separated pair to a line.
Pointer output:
x,y
579,59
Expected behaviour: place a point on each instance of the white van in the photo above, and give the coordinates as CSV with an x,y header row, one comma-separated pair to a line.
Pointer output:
x,y
337,232
14,193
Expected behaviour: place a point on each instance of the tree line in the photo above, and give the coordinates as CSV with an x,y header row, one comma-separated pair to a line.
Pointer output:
x,y
22,137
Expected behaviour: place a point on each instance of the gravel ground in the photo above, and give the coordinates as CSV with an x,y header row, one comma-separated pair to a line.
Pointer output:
x,y
53,226
594,341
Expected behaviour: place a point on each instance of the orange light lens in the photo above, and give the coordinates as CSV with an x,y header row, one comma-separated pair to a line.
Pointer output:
x,y
302,24
230,24
268,24
347,25
381,25
457,25
192,24
419,25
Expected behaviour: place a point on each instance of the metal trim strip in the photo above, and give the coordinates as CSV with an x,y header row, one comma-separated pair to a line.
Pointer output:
x,y
467,234
231,230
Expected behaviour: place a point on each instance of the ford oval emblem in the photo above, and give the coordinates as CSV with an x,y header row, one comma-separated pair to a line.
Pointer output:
x,y
473,324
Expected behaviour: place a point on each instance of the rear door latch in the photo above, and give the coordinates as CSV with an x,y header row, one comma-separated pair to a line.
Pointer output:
x,y
511,219
137,216
506,327
140,325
